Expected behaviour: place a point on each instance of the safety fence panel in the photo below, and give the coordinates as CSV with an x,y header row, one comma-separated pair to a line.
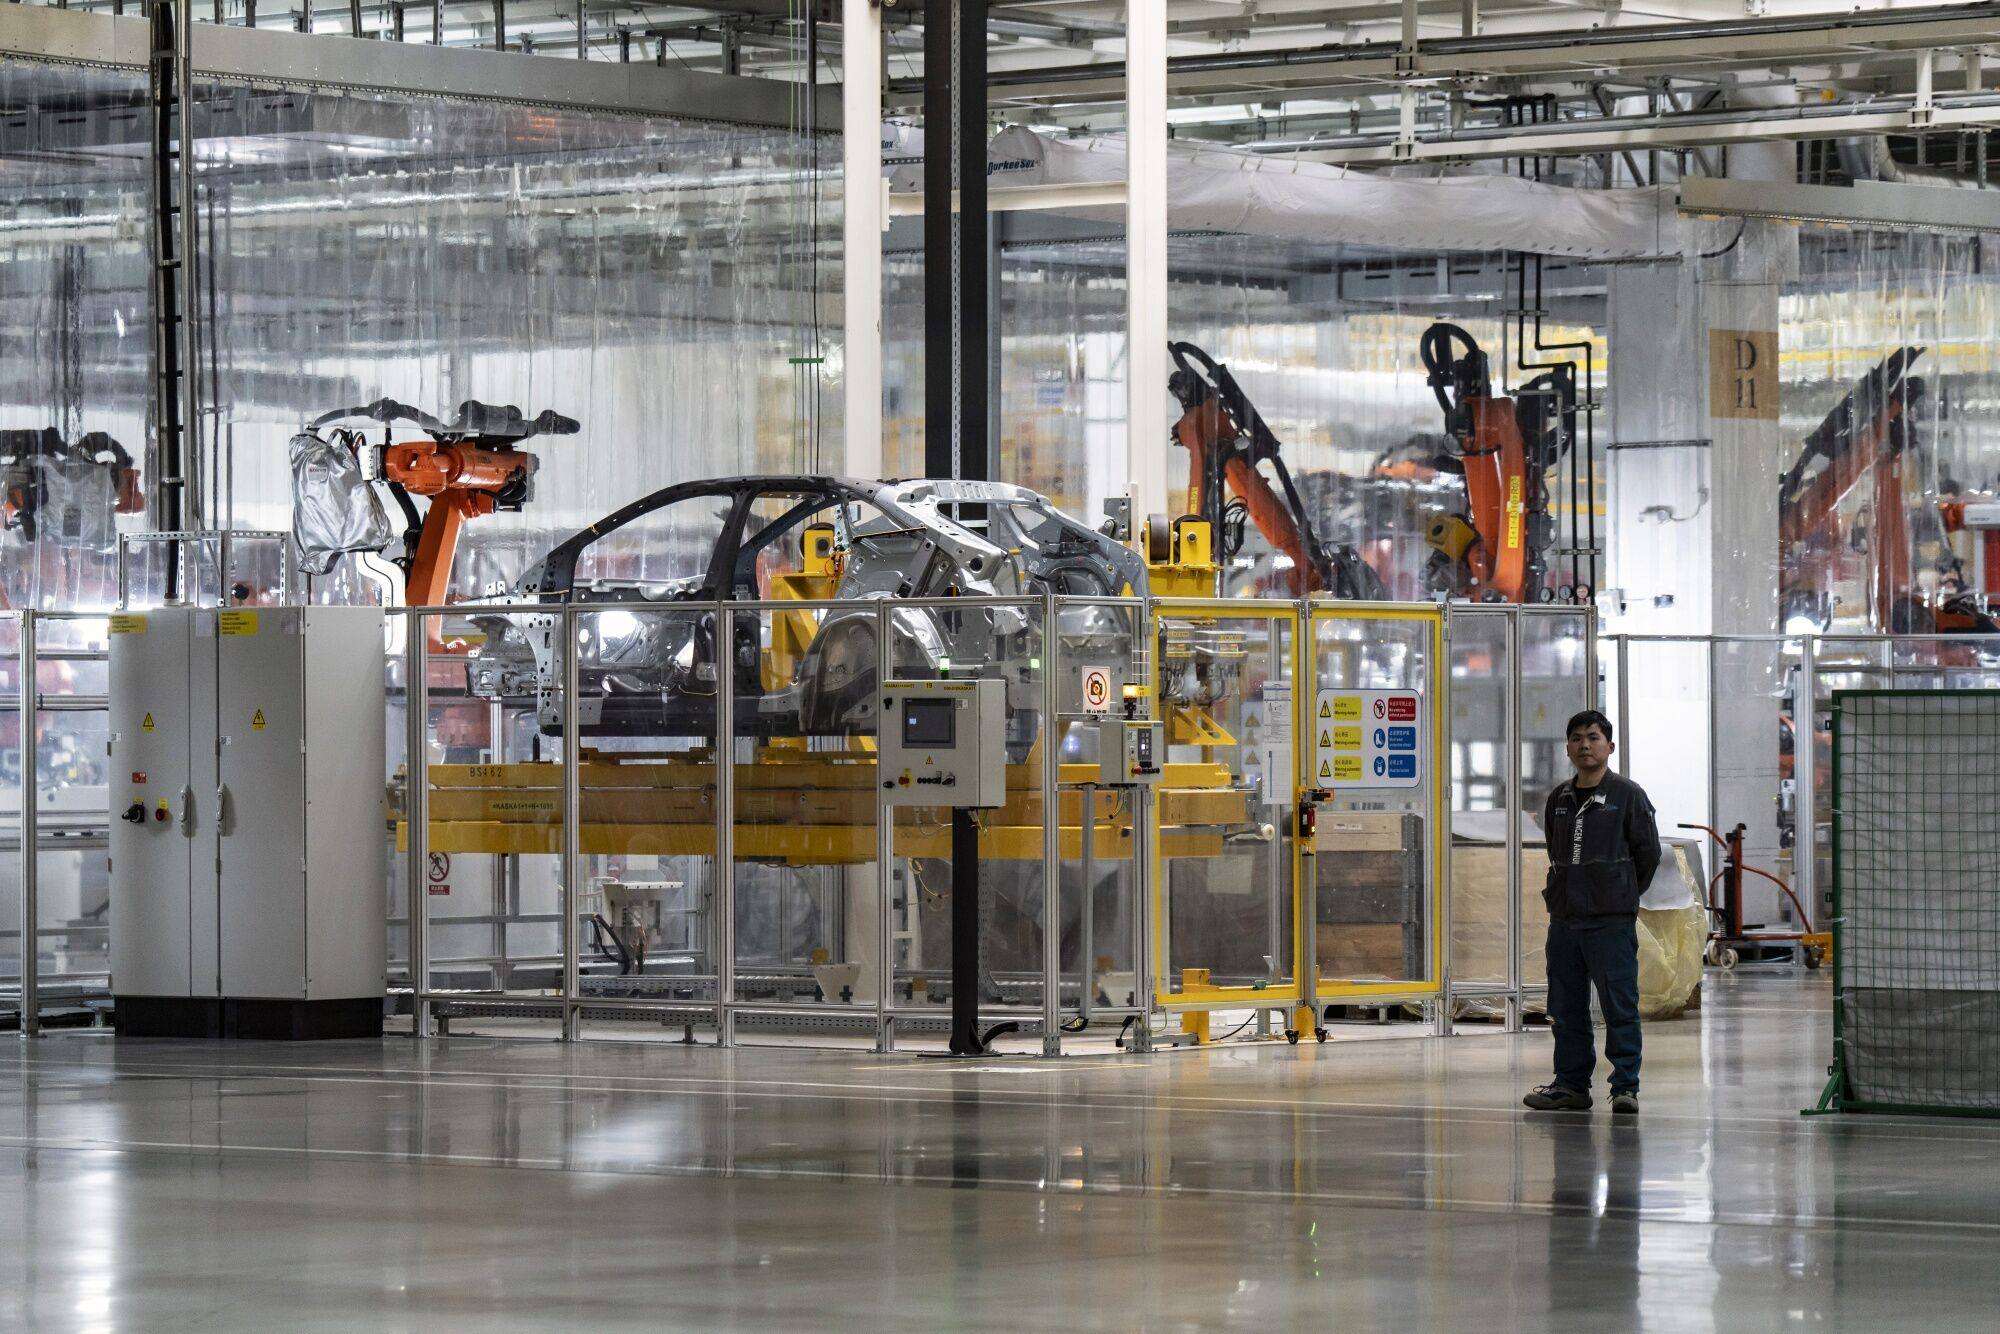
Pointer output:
x,y
1517,675
1375,743
485,704
708,777
962,640
1916,812
1226,906
1099,669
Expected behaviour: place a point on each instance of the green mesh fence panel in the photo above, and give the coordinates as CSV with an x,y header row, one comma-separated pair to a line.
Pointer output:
x,y
1916,884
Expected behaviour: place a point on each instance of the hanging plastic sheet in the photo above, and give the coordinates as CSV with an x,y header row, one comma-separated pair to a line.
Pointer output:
x,y
1323,338
671,286
75,328
1889,416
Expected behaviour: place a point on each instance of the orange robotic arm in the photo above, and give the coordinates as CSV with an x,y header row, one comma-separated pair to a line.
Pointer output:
x,y
1206,432
467,467
1488,544
464,481
1226,440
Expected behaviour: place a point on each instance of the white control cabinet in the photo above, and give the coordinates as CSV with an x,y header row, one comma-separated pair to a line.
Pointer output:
x,y
247,826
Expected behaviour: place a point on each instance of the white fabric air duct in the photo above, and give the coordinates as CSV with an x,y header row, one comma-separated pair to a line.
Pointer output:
x,y
1226,190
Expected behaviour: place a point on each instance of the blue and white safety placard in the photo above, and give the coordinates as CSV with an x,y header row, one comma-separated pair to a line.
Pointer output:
x,y
1368,738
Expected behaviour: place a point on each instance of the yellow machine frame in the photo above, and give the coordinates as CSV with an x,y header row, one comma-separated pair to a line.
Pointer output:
x,y
1197,992
1437,818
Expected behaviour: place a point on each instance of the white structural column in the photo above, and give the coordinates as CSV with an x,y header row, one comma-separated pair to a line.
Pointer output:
x,y
1146,416
861,233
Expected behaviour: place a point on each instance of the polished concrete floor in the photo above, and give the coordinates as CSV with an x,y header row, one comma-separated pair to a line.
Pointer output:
x,y
473,1182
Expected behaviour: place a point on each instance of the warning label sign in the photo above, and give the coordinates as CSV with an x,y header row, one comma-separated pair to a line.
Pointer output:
x,y
146,723
1384,748
1097,690
257,721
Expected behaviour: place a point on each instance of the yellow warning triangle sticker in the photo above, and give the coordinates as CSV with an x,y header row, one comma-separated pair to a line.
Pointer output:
x,y
1325,709
257,721
1325,769
146,723
1325,737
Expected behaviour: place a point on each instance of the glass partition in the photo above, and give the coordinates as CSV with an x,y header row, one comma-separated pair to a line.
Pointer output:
x,y
492,776
645,755
804,845
988,640
1483,664
1226,903
1376,741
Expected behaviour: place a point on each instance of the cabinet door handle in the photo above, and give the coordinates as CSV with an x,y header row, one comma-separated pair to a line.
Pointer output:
x,y
187,812
225,818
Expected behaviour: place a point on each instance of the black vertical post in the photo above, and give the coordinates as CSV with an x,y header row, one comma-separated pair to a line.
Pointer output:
x,y
955,371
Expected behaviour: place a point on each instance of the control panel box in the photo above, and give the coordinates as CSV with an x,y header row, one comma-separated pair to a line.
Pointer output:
x,y
944,743
1131,752
247,824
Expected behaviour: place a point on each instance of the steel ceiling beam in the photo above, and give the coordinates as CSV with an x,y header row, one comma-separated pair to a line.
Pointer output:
x,y
1656,49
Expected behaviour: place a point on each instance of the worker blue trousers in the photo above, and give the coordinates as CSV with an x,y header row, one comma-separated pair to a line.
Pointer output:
x,y
1601,952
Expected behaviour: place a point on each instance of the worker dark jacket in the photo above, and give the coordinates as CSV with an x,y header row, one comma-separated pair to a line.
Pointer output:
x,y
1603,848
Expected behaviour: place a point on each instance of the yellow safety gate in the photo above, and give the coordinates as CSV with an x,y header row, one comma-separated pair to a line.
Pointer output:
x,y
1374,753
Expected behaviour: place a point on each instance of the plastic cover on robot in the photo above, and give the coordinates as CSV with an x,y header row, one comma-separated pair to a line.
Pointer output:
x,y
334,508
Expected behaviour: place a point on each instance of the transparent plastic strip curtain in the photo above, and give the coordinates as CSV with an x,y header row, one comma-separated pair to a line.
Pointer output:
x,y
1323,337
1859,298
673,287
75,327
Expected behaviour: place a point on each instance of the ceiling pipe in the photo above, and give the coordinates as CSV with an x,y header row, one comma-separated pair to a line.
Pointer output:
x,y
1868,159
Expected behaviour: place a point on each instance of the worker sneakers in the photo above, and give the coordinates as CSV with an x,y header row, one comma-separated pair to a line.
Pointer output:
x,y
1556,1098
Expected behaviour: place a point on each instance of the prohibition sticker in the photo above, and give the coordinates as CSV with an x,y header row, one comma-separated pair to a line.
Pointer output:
x,y
1097,690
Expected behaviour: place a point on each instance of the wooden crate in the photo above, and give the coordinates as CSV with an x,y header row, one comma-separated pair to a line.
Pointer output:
x,y
1362,950
1478,914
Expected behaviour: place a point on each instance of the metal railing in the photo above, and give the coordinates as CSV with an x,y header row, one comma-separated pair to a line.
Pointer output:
x,y
1040,994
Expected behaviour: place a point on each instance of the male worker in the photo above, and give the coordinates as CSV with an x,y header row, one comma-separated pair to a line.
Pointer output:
x,y
1603,850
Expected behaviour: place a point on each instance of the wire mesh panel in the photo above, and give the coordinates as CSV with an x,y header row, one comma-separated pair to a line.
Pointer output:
x,y
1916,794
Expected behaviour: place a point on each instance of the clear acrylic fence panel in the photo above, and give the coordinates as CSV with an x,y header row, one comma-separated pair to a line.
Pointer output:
x,y
1226,902
645,758
1099,852
990,641
493,775
1748,683
72,734
1371,911
1664,736
808,902
1555,685
1480,668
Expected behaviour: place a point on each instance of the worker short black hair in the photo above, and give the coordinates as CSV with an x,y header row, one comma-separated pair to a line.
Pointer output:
x,y
1589,718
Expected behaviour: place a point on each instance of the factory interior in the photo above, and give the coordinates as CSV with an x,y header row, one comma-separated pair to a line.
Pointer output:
x,y
968,627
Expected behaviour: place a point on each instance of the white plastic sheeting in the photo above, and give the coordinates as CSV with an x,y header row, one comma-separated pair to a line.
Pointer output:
x,y
75,330
672,286
1226,190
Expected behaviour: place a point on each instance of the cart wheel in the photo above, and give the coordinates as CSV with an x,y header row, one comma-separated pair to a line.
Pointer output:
x,y
1711,954
1814,956
1292,1036
1730,958
1319,1035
